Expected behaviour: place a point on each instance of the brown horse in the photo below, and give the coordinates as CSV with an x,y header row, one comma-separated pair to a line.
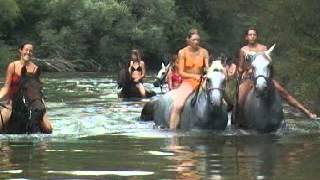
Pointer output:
x,y
27,105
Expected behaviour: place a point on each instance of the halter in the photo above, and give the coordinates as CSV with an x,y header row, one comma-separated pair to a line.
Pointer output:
x,y
29,104
267,79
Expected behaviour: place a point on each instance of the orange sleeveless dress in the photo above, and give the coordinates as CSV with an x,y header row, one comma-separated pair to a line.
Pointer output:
x,y
192,61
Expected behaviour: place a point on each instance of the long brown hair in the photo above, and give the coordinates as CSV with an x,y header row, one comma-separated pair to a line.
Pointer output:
x,y
137,53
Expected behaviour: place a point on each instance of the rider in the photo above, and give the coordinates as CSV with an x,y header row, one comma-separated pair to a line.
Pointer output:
x,y
173,77
230,70
137,71
192,63
11,85
244,73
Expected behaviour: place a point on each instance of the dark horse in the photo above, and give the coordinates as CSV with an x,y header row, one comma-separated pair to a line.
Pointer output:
x,y
27,105
204,109
262,109
128,87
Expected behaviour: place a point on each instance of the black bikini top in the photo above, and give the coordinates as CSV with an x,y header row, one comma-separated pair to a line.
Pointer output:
x,y
139,68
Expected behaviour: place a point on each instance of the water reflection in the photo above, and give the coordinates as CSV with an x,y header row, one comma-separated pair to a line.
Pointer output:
x,y
185,160
23,159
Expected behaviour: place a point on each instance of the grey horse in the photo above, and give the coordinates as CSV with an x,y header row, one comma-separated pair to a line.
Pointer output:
x,y
204,109
262,110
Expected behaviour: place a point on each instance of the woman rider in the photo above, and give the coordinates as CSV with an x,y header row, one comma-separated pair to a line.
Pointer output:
x,y
193,60
245,72
11,85
137,71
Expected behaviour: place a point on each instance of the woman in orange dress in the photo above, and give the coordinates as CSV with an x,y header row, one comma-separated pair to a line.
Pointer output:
x,y
193,60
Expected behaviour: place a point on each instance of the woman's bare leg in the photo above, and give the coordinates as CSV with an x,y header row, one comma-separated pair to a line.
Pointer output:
x,y
292,100
46,125
179,96
5,116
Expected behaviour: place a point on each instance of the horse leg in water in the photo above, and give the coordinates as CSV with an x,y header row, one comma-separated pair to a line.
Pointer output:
x,y
244,89
179,96
46,126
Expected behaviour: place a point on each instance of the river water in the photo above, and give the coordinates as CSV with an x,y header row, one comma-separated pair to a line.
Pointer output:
x,y
98,136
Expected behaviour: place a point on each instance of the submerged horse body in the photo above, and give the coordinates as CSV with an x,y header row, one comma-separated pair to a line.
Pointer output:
x,y
27,106
204,109
262,109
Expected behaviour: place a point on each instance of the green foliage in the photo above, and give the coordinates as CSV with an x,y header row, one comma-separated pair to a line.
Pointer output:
x,y
7,54
9,12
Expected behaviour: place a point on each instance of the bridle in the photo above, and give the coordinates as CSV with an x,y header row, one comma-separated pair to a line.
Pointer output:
x,y
28,104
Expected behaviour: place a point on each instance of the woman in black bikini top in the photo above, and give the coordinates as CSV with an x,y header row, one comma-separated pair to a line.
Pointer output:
x,y
137,71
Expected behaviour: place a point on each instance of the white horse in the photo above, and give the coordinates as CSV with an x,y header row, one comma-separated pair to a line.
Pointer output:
x,y
161,76
262,109
204,109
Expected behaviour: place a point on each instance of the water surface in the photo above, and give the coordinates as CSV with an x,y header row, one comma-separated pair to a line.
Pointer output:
x,y
98,136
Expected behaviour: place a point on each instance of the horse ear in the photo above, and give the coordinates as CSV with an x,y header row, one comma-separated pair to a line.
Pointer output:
x,y
23,71
268,52
162,65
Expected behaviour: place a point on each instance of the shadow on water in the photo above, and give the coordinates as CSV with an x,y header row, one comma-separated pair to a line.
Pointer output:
x,y
98,136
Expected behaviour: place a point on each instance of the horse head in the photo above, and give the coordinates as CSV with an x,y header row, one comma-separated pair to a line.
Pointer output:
x,y
215,79
161,75
262,70
28,105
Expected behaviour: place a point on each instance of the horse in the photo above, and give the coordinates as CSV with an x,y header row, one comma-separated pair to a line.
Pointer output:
x,y
128,87
262,109
161,76
27,105
204,108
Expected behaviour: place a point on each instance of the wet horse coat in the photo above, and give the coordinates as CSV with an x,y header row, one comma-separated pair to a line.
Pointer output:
x,y
202,110
262,109
27,106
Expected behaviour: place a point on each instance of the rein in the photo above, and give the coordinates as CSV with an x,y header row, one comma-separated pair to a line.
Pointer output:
x,y
194,99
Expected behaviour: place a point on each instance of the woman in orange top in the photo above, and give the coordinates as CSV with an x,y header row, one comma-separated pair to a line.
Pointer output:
x,y
12,82
193,60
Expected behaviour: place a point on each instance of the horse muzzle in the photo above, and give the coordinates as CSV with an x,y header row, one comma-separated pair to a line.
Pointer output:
x,y
216,97
157,82
261,83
